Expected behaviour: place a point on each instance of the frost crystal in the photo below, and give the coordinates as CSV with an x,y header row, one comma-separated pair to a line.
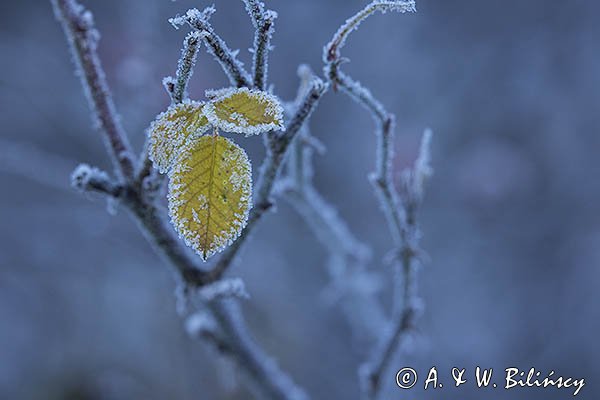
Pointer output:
x,y
200,323
243,110
332,50
210,193
199,20
84,175
224,288
171,129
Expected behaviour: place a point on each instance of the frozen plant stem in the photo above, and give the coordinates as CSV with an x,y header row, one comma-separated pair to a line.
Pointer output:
x,y
177,90
399,209
263,22
352,286
220,321
215,45
78,25
332,50
277,147
185,67
231,335
407,303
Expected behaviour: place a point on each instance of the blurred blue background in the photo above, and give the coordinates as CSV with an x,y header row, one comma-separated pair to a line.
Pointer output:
x,y
511,222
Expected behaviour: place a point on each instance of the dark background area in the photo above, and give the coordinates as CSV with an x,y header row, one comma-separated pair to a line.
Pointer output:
x,y
510,222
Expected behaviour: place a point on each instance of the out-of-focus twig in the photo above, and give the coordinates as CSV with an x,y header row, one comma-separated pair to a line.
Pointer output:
x,y
231,336
406,260
399,208
78,25
277,147
352,285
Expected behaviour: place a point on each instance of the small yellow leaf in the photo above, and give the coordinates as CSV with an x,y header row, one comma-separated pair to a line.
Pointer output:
x,y
210,193
171,129
244,111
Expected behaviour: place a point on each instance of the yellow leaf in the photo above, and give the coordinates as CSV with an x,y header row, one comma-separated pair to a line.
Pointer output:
x,y
171,129
210,193
244,111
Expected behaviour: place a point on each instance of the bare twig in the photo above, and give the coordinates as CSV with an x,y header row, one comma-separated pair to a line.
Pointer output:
x,y
177,89
408,307
332,50
400,210
278,143
265,378
91,179
78,25
352,285
263,22
185,66
381,178
256,10
216,46
226,330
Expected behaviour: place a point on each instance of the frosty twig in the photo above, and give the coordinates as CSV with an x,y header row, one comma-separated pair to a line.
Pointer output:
x,y
216,46
185,67
352,286
407,304
220,321
177,89
278,143
263,22
78,25
231,336
399,209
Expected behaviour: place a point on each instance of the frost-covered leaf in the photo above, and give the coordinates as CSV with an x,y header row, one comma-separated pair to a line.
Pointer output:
x,y
210,193
171,129
243,110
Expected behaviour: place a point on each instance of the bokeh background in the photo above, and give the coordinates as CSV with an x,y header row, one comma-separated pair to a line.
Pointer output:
x,y
510,222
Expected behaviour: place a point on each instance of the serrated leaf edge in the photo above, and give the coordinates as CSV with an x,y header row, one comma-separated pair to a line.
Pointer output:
x,y
191,137
179,223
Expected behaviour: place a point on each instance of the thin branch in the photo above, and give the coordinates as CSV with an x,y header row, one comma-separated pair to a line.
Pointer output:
x,y
265,378
216,46
332,50
268,380
91,179
263,375
263,22
277,146
352,286
262,46
177,89
400,210
256,10
403,318
381,178
185,66
78,25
